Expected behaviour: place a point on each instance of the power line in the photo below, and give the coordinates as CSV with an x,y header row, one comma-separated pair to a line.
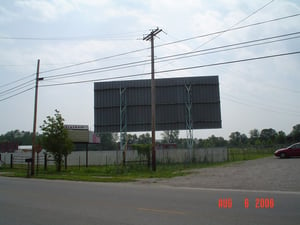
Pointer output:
x,y
230,29
170,43
94,60
163,71
166,44
16,81
258,106
176,56
178,69
161,59
144,62
16,88
228,47
116,37
3,99
229,62
244,19
101,69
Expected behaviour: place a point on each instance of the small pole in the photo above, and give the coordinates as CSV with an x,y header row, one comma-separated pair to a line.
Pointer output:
x,y
35,117
37,164
11,160
79,162
87,155
45,161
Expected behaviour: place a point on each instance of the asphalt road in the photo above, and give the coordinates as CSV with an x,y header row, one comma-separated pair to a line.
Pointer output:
x,y
31,202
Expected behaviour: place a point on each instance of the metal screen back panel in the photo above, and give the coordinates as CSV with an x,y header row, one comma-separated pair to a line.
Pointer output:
x,y
171,104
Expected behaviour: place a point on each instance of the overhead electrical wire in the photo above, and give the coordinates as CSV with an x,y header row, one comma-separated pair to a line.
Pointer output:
x,y
144,62
16,88
157,46
170,43
239,22
178,69
176,56
21,92
16,81
161,59
227,47
230,29
258,105
116,37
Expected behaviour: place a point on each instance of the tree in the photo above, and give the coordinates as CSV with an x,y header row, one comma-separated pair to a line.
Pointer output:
x,y
108,141
17,136
295,134
268,136
143,150
214,141
55,138
254,137
132,139
170,136
281,138
145,139
235,139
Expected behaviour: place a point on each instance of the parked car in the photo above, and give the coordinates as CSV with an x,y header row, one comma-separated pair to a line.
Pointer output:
x,y
291,151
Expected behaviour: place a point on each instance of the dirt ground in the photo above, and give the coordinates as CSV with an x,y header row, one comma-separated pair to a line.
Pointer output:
x,y
262,174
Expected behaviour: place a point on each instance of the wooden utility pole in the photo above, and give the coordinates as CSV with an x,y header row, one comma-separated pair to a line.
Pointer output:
x,y
150,37
35,117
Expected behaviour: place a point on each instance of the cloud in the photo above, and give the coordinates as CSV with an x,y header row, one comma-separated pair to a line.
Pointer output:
x,y
6,15
45,11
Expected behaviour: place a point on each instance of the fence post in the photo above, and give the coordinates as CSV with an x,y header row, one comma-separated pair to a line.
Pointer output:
x,y
79,162
37,163
45,161
11,160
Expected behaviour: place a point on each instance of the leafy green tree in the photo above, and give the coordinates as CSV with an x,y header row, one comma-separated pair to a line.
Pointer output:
x,y
108,141
132,139
254,137
18,137
143,150
145,139
170,136
268,136
235,139
295,134
281,138
55,138
213,141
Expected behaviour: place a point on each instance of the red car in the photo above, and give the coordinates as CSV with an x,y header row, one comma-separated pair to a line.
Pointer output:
x,y
291,151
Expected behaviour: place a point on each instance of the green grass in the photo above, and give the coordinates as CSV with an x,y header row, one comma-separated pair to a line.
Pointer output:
x,y
111,173
133,172
240,154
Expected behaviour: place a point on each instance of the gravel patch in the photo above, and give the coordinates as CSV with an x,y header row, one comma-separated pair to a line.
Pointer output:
x,y
262,174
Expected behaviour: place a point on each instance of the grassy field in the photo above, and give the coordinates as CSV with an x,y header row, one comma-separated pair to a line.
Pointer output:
x,y
133,172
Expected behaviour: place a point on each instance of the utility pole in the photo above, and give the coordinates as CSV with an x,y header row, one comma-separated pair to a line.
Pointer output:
x,y
150,37
35,117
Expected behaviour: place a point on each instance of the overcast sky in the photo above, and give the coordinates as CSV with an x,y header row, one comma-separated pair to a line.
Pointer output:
x,y
85,33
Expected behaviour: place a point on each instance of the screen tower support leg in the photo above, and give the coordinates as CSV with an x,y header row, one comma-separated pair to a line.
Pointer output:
x,y
123,124
189,122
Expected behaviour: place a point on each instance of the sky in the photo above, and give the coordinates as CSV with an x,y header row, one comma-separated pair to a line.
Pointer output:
x,y
71,36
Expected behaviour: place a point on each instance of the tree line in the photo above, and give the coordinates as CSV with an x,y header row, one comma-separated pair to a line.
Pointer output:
x,y
109,141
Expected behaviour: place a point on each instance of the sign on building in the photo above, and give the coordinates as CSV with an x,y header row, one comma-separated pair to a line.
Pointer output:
x,y
78,133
